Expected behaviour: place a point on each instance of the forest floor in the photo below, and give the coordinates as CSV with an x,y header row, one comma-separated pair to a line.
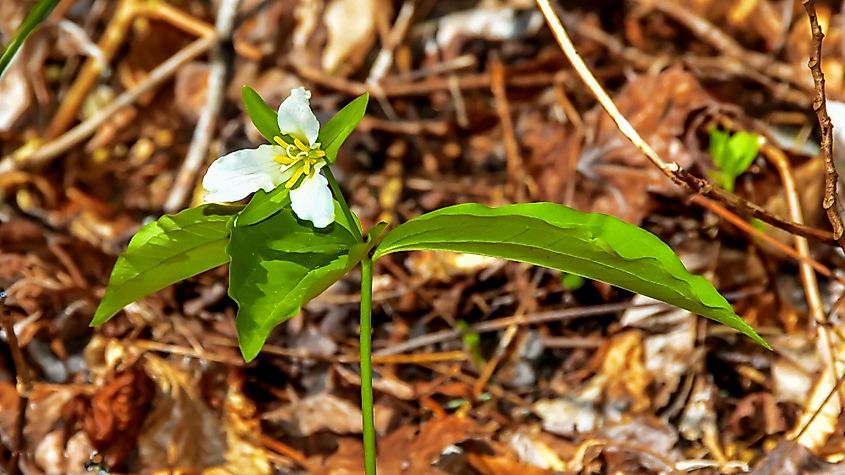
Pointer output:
x,y
483,366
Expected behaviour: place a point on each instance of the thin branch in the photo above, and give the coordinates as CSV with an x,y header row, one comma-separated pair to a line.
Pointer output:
x,y
747,228
74,136
830,203
221,61
24,385
673,171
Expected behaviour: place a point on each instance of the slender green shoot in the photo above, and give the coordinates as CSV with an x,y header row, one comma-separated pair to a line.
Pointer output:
x,y
367,367
35,16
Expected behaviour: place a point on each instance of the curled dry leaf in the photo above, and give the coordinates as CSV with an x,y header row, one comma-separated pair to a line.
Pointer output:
x,y
113,416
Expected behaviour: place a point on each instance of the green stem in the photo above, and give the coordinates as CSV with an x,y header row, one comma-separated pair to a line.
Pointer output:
x,y
342,200
367,367
368,421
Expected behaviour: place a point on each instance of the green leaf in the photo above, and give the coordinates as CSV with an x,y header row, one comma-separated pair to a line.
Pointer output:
x,y
278,265
262,115
167,251
35,16
594,246
263,205
732,155
334,133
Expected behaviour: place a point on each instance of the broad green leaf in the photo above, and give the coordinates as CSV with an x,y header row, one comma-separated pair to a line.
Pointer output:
x,y
263,205
262,115
594,246
35,16
732,155
279,264
337,129
167,251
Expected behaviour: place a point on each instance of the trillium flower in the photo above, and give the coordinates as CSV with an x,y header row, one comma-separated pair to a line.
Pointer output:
x,y
294,163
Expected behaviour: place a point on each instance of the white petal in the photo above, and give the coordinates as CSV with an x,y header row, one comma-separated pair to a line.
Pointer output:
x,y
296,117
312,201
236,175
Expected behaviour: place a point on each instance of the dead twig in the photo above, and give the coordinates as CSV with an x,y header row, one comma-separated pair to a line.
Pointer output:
x,y
384,60
516,171
673,171
747,228
830,203
25,158
110,42
808,276
24,383
221,61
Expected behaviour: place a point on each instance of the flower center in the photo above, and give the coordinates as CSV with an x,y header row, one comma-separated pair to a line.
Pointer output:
x,y
301,158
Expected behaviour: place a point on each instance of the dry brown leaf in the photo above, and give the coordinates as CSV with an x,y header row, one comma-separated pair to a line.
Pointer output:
x,y
15,96
576,412
792,458
181,432
317,413
113,416
533,451
619,178
820,414
668,352
244,452
625,373
407,449
351,26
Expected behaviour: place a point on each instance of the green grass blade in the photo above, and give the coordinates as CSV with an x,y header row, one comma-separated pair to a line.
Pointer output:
x,y
35,16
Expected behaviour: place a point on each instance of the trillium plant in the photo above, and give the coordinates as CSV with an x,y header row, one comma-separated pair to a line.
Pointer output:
x,y
297,236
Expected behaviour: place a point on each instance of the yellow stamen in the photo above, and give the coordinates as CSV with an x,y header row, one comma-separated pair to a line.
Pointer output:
x,y
318,153
284,160
301,145
281,142
298,173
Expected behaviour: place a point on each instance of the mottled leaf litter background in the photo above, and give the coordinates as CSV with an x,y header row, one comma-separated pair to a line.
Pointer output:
x,y
114,108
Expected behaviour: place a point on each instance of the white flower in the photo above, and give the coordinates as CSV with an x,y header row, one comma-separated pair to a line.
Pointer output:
x,y
296,165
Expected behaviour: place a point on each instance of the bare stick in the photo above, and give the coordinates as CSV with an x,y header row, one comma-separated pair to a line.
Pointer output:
x,y
668,169
830,203
74,136
732,218
221,61
672,170
24,385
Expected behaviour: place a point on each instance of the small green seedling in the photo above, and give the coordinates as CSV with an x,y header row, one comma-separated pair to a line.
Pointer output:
x,y
732,155
297,236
